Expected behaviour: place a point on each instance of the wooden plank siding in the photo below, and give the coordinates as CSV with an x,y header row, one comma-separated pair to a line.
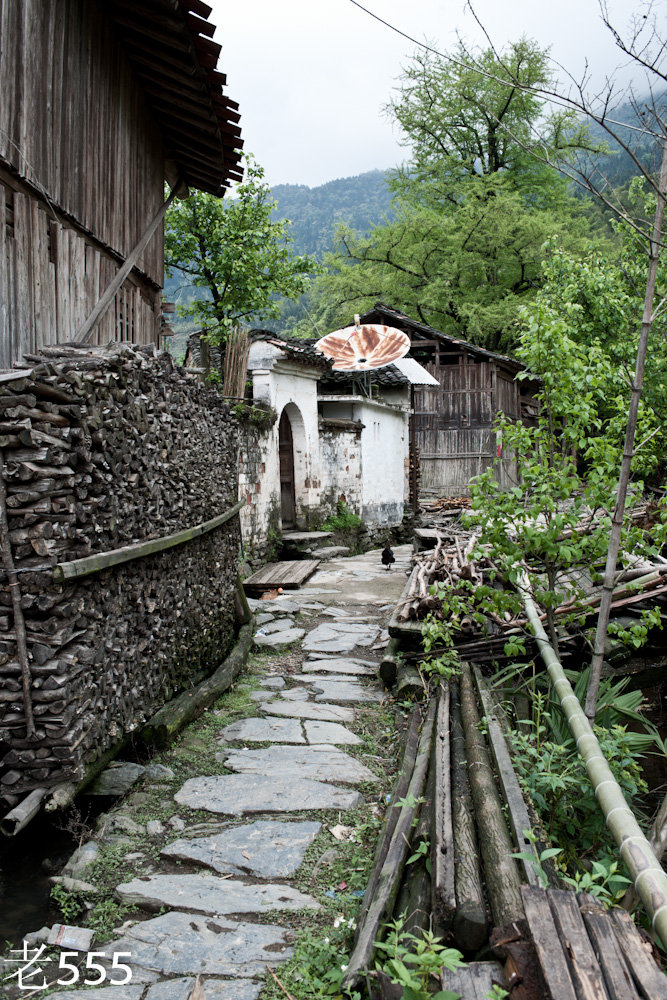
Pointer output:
x,y
453,425
81,161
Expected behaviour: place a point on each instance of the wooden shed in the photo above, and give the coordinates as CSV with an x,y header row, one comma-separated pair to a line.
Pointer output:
x,y
101,102
452,435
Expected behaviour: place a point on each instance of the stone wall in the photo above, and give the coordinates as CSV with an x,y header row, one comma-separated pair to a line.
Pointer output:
x,y
102,450
340,456
258,487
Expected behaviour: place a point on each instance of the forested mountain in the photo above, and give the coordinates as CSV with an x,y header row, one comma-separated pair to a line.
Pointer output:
x,y
359,201
314,213
618,166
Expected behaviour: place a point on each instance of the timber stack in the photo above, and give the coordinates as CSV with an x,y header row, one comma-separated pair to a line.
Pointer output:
x,y
107,449
460,855
453,562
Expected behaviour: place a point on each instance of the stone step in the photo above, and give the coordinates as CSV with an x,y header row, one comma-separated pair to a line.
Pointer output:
x,y
328,552
203,893
299,544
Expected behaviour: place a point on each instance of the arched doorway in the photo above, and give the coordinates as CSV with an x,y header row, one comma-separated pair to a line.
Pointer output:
x,y
286,456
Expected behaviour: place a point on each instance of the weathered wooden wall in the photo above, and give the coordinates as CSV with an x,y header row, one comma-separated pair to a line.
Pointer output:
x,y
81,175
453,424
99,453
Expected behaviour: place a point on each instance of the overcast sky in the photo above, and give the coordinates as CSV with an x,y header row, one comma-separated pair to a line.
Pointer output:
x,y
312,76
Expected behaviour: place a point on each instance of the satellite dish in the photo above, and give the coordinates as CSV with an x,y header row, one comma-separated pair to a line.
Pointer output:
x,y
361,348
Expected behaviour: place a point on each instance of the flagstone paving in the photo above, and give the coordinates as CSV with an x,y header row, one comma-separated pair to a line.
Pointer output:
x,y
213,925
270,729
268,848
309,710
203,893
236,794
325,763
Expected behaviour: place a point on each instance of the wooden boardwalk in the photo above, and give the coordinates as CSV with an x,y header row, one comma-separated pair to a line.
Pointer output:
x,y
288,575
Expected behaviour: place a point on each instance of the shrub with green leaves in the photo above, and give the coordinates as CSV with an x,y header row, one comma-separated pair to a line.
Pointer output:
x,y
412,961
552,774
343,519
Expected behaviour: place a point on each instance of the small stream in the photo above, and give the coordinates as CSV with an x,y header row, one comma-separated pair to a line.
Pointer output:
x,y
26,862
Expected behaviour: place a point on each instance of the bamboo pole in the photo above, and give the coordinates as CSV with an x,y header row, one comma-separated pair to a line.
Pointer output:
x,y
658,841
650,880
20,815
138,550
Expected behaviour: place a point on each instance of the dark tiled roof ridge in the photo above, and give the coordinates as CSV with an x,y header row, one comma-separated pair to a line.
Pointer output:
x,y
430,331
303,349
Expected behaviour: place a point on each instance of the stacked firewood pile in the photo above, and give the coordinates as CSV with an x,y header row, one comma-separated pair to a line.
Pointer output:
x,y
446,506
101,449
449,567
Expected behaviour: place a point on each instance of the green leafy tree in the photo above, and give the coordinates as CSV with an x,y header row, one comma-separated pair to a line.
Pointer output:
x,y
236,253
465,272
580,335
473,209
473,115
555,520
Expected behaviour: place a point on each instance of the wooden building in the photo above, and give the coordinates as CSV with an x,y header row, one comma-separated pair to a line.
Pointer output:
x,y
101,102
452,434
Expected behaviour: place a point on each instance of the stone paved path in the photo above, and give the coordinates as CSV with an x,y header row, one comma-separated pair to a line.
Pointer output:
x,y
212,920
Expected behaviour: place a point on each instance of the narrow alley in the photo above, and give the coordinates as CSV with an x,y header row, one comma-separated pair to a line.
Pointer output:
x,y
257,798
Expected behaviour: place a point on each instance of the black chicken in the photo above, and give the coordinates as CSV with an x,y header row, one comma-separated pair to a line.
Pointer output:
x,y
387,555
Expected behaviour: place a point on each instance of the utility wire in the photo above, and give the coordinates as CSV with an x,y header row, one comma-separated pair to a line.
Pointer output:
x,y
562,103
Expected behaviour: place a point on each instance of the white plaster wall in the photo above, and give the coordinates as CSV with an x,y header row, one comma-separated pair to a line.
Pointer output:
x,y
380,456
257,486
384,453
340,453
284,385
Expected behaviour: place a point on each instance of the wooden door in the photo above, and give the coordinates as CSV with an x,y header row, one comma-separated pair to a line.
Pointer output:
x,y
286,455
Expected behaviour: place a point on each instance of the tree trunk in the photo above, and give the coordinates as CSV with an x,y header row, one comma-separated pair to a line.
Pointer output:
x,y
470,922
502,875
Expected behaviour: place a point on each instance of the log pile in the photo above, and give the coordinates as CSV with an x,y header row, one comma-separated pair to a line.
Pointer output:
x,y
440,862
449,568
100,449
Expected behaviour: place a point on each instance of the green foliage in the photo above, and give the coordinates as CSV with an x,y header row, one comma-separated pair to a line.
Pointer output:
x,y
421,851
472,209
567,461
605,880
343,519
553,776
236,253
497,993
537,860
439,631
69,902
260,417
322,960
105,916
412,961
580,336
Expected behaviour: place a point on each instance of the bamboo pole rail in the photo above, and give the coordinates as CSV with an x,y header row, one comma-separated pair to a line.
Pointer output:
x,y
650,881
104,560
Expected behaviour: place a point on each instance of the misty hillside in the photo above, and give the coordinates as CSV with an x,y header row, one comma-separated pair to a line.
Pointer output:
x,y
359,201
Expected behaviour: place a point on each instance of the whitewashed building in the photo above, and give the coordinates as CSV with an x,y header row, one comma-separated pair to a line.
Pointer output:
x,y
338,435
